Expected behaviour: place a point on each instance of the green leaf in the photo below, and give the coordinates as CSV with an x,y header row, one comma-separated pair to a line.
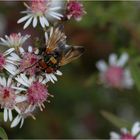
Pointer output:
x,y
1,116
135,71
92,80
118,122
3,134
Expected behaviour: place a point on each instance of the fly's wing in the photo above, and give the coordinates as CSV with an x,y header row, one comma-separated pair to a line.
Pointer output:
x,y
71,53
56,36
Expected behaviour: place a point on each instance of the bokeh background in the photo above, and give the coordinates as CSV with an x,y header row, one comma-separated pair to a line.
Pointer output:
x,y
75,110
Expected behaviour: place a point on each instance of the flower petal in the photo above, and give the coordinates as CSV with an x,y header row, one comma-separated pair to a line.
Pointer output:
x,y
34,22
9,81
123,59
135,129
28,22
113,59
22,121
9,51
23,18
30,49
46,21
10,115
58,73
20,99
21,50
16,121
114,136
53,77
41,19
101,65
5,115
17,109
127,80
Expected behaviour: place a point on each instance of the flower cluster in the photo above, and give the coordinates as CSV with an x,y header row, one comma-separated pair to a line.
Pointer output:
x,y
23,90
45,11
26,72
134,134
116,74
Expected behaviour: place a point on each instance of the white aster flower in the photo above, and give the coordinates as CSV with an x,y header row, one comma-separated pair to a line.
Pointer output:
x,y
35,94
40,10
27,82
134,134
115,74
36,89
27,61
8,97
7,62
24,110
14,40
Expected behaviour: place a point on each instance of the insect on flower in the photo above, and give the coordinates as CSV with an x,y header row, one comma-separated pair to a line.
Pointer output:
x,y
56,53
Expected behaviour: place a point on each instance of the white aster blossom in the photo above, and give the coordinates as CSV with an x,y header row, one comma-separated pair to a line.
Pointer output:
x,y
9,97
134,134
36,89
6,61
14,40
40,11
23,111
115,74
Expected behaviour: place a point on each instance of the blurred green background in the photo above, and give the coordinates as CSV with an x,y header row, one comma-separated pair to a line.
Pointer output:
x,y
75,110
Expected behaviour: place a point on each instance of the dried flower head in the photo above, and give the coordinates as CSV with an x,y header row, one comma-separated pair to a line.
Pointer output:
x,y
75,9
